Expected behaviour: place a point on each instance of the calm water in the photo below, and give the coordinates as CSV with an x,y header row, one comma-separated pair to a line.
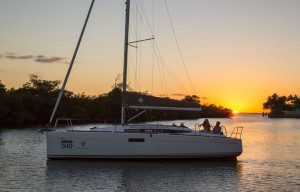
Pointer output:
x,y
270,162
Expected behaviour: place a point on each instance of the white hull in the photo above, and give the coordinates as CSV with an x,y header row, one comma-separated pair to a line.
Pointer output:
x,y
96,144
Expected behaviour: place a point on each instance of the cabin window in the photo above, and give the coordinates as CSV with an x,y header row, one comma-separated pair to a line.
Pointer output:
x,y
136,140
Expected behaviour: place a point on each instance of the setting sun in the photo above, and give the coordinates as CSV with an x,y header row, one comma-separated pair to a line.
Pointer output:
x,y
235,111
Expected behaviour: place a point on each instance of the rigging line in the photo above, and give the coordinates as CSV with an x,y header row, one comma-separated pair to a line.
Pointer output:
x,y
163,62
140,66
166,87
152,73
140,16
177,81
158,55
143,11
159,71
164,76
137,32
140,49
146,15
138,27
140,40
179,47
161,82
133,69
71,64
136,19
165,81
164,65
143,23
136,50
133,22
136,69
170,73
135,26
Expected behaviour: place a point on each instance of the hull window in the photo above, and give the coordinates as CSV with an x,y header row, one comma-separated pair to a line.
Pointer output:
x,y
136,140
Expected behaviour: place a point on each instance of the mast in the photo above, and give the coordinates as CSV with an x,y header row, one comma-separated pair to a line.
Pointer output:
x,y
123,117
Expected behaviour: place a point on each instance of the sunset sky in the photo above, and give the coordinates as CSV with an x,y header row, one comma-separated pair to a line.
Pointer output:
x,y
236,52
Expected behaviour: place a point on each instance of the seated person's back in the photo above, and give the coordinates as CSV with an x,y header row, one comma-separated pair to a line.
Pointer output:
x,y
217,129
206,125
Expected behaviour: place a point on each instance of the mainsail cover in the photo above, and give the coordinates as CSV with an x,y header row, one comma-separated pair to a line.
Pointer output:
x,y
143,101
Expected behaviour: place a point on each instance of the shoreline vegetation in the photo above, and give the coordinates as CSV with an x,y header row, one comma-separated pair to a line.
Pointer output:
x,y
32,105
277,104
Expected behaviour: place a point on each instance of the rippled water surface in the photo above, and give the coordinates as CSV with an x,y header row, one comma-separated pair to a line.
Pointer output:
x,y
270,162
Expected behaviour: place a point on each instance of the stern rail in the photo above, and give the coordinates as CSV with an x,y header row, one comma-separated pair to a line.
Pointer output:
x,y
223,130
68,121
237,132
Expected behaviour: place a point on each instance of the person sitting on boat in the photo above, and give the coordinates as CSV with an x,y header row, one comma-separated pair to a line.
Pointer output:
x,y
217,128
206,126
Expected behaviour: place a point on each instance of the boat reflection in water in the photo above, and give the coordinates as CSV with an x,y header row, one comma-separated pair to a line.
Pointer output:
x,y
200,175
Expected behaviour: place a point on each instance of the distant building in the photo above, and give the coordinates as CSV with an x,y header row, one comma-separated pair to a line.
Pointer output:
x,y
291,111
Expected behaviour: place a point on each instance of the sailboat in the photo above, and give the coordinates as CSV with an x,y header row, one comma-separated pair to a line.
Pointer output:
x,y
146,141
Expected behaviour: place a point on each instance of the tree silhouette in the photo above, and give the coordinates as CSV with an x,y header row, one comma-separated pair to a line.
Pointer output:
x,y
32,104
276,104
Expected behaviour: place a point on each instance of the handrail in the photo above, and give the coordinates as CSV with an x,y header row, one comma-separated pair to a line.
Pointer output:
x,y
69,122
223,130
197,125
237,131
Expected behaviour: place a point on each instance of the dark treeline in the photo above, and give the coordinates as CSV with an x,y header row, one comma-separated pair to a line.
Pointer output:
x,y
276,103
32,104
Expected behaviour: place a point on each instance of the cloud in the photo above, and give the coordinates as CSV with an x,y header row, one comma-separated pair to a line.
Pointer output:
x,y
162,95
174,95
44,59
13,56
38,58
178,94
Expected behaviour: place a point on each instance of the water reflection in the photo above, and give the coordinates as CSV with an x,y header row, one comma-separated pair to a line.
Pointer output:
x,y
142,175
269,162
1,142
